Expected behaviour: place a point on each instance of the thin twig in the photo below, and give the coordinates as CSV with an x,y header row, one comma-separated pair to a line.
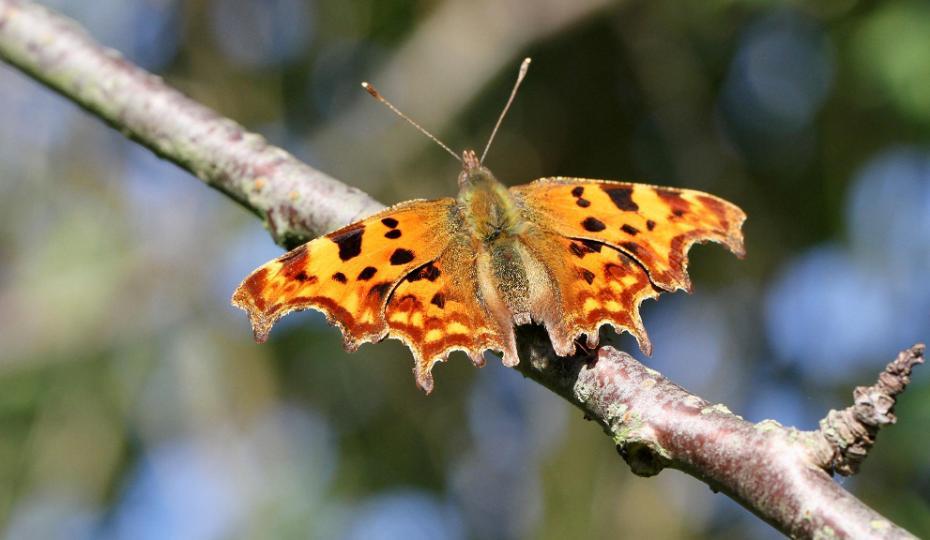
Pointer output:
x,y
851,432
779,473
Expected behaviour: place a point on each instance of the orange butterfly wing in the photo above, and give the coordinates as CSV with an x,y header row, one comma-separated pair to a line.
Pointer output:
x,y
348,274
440,308
595,285
407,272
610,245
654,225
411,271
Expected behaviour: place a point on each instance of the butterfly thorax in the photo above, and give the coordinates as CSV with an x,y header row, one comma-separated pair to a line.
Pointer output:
x,y
495,225
491,213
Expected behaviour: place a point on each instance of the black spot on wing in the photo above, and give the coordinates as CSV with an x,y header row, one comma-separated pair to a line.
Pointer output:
x,y
622,198
349,241
439,300
401,256
367,273
577,191
428,272
381,290
587,275
629,229
584,246
389,222
340,277
593,247
591,224
650,224
584,203
632,247
393,234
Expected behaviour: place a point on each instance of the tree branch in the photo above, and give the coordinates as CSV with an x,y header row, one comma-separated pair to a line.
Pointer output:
x,y
779,473
296,201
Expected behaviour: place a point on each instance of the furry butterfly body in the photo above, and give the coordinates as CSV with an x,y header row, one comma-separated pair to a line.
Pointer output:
x,y
458,274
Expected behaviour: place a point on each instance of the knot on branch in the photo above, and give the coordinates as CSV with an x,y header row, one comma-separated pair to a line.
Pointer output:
x,y
643,459
852,431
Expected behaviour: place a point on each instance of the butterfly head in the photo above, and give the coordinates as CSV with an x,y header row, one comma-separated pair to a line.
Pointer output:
x,y
473,172
489,208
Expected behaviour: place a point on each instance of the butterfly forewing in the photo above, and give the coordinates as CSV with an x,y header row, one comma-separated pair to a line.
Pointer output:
x,y
350,273
654,225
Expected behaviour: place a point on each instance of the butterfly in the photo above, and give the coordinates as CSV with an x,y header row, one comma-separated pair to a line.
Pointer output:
x,y
457,274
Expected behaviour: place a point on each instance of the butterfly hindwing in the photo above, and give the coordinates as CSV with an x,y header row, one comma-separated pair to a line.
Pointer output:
x,y
439,308
654,225
595,285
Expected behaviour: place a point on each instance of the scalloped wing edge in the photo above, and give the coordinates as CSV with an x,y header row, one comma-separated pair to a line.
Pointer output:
x,y
262,323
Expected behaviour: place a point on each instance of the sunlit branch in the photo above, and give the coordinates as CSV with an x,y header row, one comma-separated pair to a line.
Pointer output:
x,y
779,473
296,201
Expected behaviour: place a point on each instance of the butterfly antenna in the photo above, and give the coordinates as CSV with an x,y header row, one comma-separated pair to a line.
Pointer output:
x,y
523,69
377,95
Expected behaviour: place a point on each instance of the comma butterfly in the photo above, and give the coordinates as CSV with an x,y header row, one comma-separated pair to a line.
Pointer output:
x,y
572,254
